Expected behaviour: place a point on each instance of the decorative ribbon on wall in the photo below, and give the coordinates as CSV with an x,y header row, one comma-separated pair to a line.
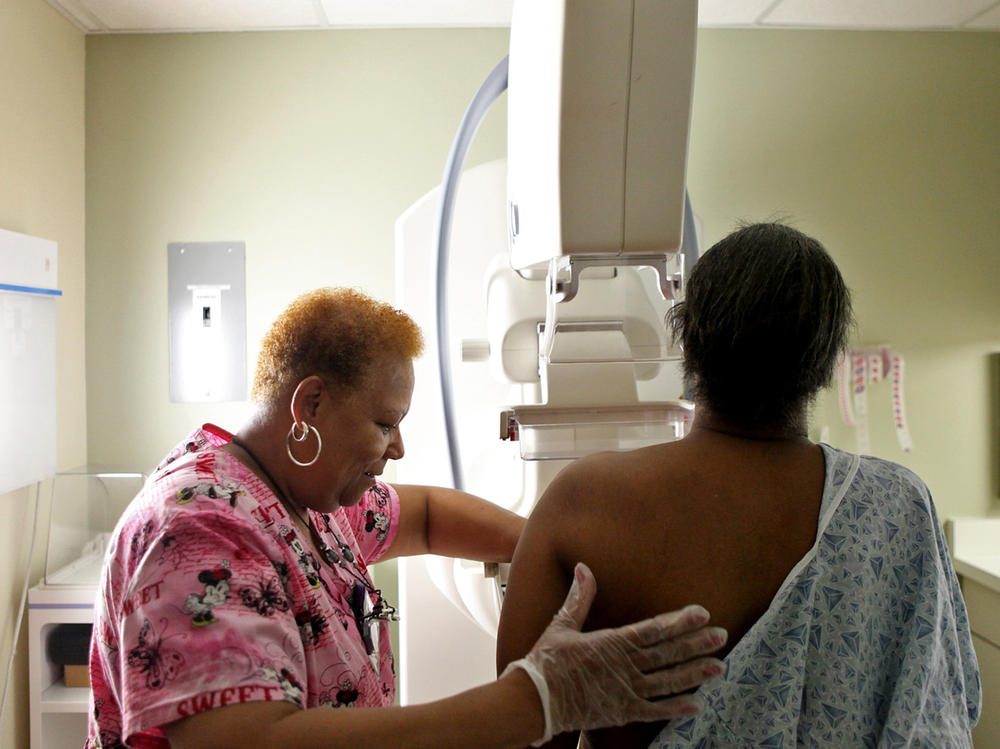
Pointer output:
x,y
856,371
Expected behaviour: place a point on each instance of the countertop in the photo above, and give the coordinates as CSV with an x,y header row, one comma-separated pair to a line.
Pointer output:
x,y
975,549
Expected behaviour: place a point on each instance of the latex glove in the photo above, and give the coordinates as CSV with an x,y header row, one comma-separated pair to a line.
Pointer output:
x,y
612,677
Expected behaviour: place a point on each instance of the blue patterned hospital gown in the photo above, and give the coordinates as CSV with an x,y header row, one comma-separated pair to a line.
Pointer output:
x,y
866,643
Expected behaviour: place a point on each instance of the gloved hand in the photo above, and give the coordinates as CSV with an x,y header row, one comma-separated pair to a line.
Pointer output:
x,y
615,676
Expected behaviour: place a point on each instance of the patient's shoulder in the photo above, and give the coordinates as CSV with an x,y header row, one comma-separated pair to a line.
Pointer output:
x,y
584,482
622,466
633,470
601,489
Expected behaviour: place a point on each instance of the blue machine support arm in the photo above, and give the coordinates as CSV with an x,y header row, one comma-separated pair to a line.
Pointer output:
x,y
490,90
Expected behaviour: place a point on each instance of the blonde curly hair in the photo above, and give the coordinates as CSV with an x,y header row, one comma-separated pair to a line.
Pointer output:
x,y
336,333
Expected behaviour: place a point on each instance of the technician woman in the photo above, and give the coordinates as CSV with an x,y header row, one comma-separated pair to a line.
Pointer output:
x,y
236,591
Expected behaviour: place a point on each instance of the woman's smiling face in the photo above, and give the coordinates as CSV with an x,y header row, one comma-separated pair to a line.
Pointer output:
x,y
360,431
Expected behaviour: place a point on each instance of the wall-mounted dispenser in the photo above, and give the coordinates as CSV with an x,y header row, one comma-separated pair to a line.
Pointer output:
x,y
28,361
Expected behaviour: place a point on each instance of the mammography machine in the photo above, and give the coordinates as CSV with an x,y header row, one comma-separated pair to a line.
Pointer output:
x,y
551,274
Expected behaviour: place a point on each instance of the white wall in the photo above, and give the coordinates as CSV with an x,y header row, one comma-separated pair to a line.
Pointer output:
x,y
41,193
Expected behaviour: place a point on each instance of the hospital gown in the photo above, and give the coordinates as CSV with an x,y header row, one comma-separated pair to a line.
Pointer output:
x,y
866,643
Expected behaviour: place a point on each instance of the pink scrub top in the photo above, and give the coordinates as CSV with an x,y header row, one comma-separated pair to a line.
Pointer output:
x,y
210,597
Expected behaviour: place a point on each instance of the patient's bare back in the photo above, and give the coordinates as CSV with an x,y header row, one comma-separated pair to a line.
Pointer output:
x,y
712,519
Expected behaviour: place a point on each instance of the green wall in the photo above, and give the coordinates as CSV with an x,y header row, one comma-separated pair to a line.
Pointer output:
x,y
308,145
884,146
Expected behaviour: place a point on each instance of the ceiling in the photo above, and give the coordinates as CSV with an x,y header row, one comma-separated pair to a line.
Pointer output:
x,y
165,16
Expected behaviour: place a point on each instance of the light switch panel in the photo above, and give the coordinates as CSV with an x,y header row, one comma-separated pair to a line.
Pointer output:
x,y
206,299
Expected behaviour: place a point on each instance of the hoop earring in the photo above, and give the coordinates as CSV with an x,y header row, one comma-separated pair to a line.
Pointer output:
x,y
306,429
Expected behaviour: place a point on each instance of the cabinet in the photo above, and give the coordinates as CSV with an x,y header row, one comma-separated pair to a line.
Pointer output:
x,y
977,562
86,504
58,712
984,618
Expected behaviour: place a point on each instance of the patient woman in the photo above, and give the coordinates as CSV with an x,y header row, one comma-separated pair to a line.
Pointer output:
x,y
237,608
829,570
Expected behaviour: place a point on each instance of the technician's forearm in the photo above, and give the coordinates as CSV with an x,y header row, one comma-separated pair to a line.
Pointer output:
x,y
462,525
436,520
504,713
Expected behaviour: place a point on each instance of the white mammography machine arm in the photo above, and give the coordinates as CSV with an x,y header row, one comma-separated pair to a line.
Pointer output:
x,y
565,259
599,105
598,111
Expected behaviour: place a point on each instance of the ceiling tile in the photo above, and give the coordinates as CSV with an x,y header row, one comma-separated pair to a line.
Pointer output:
x,y
990,20
122,16
418,13
879,14
199,15
731,12
76,11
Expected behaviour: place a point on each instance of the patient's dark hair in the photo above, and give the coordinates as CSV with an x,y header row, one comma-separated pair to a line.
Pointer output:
x,y
765,316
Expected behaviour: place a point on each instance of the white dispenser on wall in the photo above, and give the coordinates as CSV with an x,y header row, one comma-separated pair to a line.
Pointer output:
x,y
565,259
28,358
